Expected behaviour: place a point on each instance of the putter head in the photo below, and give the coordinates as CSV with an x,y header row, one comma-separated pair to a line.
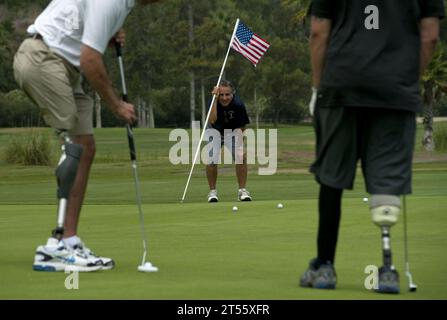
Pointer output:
x,y
147,267
411,286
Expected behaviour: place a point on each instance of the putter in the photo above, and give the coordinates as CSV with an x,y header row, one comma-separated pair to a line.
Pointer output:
x,y
411,285
145,266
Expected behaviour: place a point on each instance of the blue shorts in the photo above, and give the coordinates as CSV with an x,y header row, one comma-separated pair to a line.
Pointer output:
x,y
232,140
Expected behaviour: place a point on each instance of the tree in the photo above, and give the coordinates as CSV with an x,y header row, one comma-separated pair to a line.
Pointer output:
x,y
434,83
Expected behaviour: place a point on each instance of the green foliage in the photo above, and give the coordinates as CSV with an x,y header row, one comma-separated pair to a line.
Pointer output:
x,y
437,70
159,57
6,54
440,107
34,149
440,137
17,110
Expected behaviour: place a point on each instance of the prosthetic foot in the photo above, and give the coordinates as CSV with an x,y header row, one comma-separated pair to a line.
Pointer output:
x,y
385,210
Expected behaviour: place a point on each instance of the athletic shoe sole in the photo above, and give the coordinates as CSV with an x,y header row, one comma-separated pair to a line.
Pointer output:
x,y
73,268
60,267
324,286
388,289
109,266
49,267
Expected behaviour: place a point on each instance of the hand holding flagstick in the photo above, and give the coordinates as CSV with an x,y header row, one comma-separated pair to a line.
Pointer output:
x,y
250,46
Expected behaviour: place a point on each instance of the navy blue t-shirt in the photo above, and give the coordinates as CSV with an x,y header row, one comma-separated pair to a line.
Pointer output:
x,y
233,116
373,67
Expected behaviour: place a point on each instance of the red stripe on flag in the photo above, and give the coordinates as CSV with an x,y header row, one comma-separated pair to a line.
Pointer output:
x,y
244,53
256,49
259,45
261,41
247,51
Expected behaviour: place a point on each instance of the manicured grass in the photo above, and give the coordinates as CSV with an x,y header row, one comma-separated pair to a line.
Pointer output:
x,y
206,251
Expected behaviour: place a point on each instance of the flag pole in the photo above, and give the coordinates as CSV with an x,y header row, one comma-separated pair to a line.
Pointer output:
x,y
209,111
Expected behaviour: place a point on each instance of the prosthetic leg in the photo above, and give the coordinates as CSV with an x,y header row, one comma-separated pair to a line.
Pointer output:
x,y
66,171
385,210
54,256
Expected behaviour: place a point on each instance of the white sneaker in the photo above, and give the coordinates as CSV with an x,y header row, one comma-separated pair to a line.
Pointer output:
x,y
55,256
212,196
244,195
106,263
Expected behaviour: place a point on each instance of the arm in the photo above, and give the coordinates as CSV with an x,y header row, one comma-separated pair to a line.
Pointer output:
x,y
429,30
93,68
213,114
319,39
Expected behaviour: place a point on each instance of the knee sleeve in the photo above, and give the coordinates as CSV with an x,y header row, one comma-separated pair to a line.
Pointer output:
x,y
385,210
67,169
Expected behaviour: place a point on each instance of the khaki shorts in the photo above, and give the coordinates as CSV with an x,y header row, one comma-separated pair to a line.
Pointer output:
x,y
55,86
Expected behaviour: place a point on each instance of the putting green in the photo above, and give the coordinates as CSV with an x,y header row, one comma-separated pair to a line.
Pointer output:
x,y
206,251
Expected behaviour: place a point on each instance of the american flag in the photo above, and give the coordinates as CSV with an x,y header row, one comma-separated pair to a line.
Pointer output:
x,y
249,44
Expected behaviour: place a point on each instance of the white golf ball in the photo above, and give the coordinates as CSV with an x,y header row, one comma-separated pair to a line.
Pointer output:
x,y
365,199
235,209
280,206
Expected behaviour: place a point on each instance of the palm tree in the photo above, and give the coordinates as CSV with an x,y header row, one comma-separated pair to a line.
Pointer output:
x,y
434,84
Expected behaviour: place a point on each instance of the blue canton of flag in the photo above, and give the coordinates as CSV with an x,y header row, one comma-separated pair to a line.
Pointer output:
x,y
249,44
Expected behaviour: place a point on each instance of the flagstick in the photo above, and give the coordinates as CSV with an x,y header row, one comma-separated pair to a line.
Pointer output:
x,y
209,111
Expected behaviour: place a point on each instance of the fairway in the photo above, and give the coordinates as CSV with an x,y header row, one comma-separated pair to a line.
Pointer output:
x,y
206,251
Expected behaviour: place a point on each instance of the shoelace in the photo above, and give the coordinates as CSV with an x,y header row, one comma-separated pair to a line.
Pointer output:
x,y
82,251
86,250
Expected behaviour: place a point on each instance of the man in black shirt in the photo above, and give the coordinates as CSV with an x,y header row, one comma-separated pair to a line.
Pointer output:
x,y
367,58
229,117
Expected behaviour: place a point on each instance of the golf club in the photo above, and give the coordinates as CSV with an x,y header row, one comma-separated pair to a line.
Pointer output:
x,y
145,266
411,285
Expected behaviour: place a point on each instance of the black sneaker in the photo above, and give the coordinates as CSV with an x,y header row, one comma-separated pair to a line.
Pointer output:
x,y
322,277
388,280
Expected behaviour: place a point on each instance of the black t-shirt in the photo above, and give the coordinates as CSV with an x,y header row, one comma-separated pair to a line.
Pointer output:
x,y
373,57
233,116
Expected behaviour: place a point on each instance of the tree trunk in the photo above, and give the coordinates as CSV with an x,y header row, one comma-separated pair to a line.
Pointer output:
x,y
191,73
255,102
428,141
98,110
139,112
276,118
144,114
204,113
151,116
192,97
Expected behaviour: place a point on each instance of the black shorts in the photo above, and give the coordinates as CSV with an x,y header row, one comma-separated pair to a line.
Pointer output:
x,y
383,139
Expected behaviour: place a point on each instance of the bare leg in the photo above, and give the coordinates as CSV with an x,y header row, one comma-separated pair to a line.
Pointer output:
x,y
211,174
80,185
241,173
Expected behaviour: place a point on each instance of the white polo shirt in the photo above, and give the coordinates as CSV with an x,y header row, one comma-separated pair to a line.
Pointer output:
x,y
67,24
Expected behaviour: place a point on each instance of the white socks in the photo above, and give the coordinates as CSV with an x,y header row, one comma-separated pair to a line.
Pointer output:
x,y
71,241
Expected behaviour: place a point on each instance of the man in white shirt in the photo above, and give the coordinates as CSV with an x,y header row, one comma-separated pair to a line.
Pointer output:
x,y
69,38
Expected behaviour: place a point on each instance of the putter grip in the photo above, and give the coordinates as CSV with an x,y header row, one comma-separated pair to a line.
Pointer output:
x,y
119,51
